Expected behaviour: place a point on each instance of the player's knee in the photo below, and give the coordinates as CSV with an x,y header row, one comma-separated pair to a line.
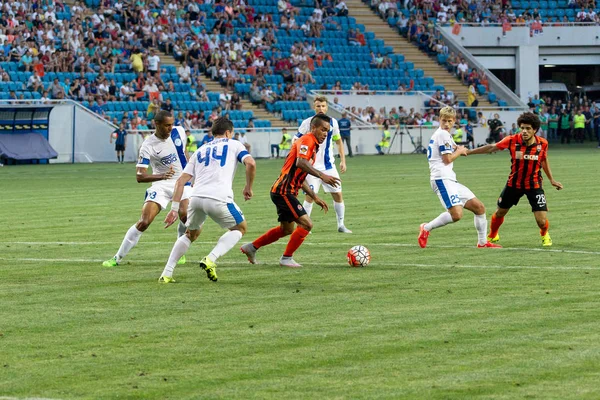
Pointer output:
x,y
288,229
142,225
307,225
456,214
192,235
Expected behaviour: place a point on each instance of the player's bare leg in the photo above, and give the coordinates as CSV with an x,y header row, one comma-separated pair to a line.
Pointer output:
x,y
542,221
497,220
149,211
476,207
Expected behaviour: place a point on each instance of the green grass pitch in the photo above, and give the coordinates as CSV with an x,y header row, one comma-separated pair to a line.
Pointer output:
x,y
447,322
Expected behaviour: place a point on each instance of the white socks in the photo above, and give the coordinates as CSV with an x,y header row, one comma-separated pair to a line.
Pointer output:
x,y
181,228
180,247
131,238
308,207
481,226
443,219
340,209
225,243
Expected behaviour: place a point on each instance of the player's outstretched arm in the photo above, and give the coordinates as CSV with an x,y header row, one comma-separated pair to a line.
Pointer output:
x,y
250,165
488,148
458,151
177,194
306,166
546,168
309,192
142,175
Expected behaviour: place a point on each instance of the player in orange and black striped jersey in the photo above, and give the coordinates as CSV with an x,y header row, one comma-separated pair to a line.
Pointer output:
x,y
298,164
528,153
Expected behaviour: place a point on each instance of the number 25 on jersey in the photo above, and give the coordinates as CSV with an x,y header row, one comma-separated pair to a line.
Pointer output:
x,y
212,152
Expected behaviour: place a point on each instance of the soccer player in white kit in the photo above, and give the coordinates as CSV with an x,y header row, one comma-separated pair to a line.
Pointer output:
x,y
325,163
212,167
441,153
164,152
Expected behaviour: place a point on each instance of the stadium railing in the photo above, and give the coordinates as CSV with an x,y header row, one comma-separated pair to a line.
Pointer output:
x,y
495,85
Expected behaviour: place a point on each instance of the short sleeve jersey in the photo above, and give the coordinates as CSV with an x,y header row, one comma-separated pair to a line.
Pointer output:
x,y
162,154
441,143
291,178
324,160
525,172
213,167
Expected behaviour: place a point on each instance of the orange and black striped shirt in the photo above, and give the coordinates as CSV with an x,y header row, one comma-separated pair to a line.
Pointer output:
x,y
291,178
525,172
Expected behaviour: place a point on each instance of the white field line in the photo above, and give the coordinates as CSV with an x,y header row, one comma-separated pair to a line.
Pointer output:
x,y
321,244
24,398
327,264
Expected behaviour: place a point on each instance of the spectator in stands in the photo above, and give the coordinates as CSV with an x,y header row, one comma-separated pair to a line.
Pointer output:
x,y
579,122
225,99
589,119
352,38
207,138
236,101
185,73
462,70
472,95
58,92
34,84
137,61
167,105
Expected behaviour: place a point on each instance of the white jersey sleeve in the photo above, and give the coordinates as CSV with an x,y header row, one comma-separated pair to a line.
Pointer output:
x,y
144,156
441,143
303,129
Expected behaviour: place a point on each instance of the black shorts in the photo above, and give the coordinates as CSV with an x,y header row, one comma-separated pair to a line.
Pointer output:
x,y
119,147
289,208
511,196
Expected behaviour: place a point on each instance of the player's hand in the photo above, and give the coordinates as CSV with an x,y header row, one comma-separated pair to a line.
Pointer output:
x,y
462,150
330,180
343,166
169,174
247,192
557,185
321,204
171,218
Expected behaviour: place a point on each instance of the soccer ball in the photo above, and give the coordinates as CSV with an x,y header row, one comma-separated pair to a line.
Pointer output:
x,y
114,135
359,256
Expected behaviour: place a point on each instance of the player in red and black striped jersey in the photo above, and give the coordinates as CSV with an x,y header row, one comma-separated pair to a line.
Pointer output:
x,y
298,164
529,154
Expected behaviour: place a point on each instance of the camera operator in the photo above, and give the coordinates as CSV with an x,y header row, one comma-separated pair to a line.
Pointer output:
x,y
496,129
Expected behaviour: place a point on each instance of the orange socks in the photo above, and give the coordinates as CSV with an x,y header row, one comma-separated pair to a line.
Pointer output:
x,y
295,241
496,222
272,235
544,230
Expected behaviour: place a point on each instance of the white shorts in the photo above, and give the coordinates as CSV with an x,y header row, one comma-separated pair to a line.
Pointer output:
x,y
227,215
163,194
451,193
315,183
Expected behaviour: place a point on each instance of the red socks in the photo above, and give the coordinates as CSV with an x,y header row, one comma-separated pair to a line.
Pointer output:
x,y
496,222
295,241
272,235
544,230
